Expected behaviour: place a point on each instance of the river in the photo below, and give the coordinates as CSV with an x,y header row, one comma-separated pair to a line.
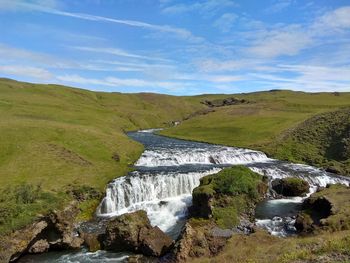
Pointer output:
x,y
167,172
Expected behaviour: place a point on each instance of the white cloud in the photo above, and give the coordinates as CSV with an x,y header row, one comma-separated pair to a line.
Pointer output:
x,y
121,82
279,6
207,7
215,65
225,22
118,52
32,72
338,18
287,41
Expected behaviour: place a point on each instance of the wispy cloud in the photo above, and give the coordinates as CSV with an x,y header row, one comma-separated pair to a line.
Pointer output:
x,y
118,52
225,22
206,7
279,6
32,72
35,6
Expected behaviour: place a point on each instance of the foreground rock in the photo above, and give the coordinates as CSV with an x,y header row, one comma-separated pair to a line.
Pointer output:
x,y
52,232
328,209
290,186
199,241
133,232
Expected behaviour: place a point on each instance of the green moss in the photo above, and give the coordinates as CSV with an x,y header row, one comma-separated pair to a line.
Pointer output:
x,y
233,190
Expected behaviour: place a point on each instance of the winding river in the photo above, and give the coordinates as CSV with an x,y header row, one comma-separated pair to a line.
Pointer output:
x,y
167,172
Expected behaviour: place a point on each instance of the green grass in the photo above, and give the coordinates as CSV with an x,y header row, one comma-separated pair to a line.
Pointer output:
x,y
56,136
268,123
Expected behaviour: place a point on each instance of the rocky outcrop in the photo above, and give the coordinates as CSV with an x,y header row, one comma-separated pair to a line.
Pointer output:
x,y
327,209
52,232
204,241
201,204
224,102
133,232
290,186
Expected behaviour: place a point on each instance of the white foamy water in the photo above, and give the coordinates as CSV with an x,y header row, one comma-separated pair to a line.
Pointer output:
x,y
139,191
216,155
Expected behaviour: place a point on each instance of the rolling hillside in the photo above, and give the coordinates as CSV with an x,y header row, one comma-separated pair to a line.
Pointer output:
x,y
55,140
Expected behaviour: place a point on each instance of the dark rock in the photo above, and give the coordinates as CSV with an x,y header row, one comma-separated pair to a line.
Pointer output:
x,y
53,232
197,242
304,223
116,157
15,245
290,186
224,102
201,204
39,246
61,231
92,241
133,232
332,169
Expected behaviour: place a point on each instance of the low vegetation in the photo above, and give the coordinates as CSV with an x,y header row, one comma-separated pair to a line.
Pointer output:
x,y
19,204
323,140
231,192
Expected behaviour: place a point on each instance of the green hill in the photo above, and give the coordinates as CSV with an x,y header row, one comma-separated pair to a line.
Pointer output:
x,y
54,136
56,139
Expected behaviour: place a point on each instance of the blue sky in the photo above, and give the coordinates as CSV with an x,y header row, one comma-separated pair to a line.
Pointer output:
x,y
178,47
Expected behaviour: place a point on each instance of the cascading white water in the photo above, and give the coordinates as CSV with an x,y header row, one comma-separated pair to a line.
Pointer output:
x,y
126,193
216,155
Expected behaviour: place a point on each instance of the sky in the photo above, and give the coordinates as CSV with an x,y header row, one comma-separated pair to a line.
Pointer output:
x,y
178,47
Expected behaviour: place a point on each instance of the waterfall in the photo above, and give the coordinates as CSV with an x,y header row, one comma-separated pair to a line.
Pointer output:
x,y
125,193
216,155
314,176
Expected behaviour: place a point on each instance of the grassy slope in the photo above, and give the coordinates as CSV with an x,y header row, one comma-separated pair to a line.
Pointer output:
x,y
260,123
323,140
261,247
55,136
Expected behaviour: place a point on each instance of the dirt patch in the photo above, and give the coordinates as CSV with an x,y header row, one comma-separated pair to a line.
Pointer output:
x,y
67,155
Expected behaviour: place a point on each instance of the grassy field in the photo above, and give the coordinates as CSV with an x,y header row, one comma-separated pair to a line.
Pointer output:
x,y
261,124
53,136
261,247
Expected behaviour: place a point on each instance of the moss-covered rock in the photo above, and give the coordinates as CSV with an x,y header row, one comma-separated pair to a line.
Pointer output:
x,y
290,186
227,195
328,209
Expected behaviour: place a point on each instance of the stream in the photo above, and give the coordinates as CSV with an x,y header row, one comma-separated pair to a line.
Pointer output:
x,y
167,172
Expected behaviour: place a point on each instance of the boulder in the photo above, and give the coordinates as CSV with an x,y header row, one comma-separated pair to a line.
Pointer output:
x,y
201,204
16,244
39,246
53,232
133,232
92,241
304,223
61,230
290,186
194,242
